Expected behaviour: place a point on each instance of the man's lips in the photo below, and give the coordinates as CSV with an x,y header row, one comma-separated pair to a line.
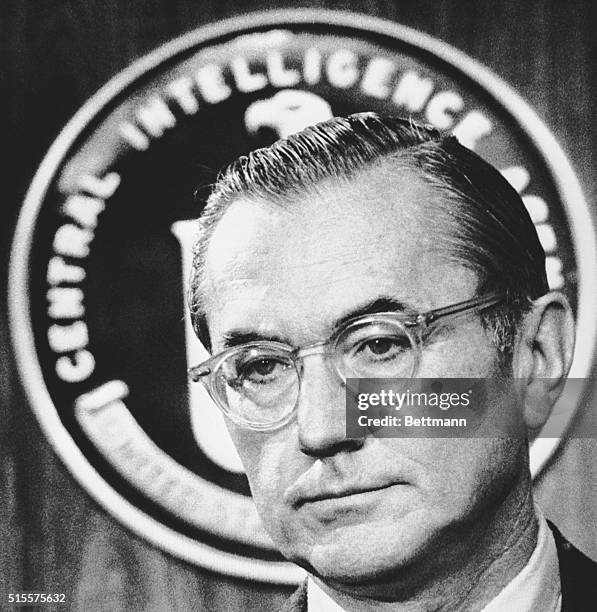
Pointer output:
x,y
339,494
319,483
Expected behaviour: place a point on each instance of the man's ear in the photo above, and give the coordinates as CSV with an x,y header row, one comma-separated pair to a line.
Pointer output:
x,y
543,356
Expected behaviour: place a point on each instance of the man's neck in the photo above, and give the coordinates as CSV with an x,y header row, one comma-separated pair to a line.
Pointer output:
x,y
501,546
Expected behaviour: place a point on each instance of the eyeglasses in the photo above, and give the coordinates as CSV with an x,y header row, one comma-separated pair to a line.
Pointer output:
x,y
257,384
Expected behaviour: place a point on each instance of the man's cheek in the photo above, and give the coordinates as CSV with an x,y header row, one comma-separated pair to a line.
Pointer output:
x,y
250,445
473,473
263,469
277,518
450,482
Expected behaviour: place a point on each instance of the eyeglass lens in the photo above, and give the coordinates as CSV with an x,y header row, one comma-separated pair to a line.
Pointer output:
x,y
259,385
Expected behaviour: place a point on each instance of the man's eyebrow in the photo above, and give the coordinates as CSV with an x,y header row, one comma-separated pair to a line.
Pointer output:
x,y
380,304
239,337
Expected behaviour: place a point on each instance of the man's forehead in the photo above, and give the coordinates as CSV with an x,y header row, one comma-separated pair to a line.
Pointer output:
x,y
380,201
321,256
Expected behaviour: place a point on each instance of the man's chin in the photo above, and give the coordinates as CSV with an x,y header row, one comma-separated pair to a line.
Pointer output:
x,y
363,554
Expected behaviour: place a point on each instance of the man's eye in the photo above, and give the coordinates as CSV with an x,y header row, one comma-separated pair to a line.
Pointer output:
x,y
384,348
263,369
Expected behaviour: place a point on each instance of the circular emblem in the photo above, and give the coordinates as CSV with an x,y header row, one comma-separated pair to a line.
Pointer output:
x,y
101,253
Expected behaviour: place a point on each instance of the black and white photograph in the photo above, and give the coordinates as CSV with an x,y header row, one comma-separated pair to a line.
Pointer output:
x,y
300,307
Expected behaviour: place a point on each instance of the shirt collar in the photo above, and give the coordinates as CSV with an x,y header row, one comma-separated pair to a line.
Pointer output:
x,y
537,585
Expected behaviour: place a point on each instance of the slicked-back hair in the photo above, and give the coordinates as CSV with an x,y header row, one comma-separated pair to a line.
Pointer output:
x,y
489,230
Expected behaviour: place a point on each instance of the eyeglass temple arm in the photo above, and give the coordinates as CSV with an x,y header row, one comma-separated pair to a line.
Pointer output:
x,y
476,304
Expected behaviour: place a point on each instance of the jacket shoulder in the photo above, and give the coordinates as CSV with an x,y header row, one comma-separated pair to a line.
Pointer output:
x,y
578,576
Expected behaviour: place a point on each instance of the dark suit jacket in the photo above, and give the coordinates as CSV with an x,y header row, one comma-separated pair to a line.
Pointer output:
x,y
578,575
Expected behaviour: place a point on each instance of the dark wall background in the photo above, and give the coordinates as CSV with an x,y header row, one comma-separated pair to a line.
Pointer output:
x,y
53,55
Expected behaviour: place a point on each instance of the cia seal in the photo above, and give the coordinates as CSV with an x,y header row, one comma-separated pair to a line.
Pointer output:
x,y
101,251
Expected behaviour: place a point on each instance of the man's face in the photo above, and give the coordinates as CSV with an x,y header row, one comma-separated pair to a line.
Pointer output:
x,y
355,511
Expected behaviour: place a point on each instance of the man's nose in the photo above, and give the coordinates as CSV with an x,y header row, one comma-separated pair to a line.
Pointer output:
x,y
321,411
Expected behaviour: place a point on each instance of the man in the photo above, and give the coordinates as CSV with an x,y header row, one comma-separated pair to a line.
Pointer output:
x,y
317,260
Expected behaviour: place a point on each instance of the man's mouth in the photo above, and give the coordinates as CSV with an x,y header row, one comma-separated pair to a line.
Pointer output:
x,y
317,485
342,493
